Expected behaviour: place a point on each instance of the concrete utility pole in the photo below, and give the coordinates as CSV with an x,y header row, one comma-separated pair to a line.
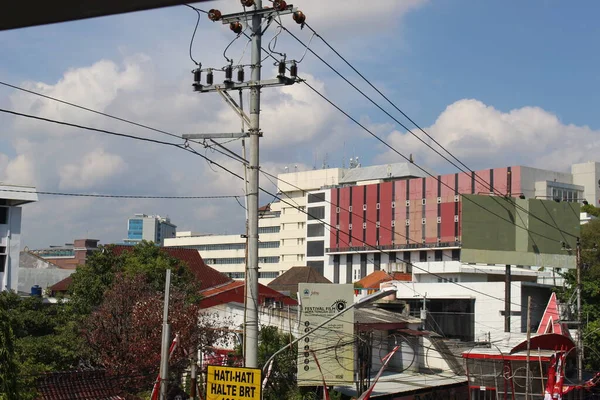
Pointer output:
x,y
579,321
252,18
507,282
166,339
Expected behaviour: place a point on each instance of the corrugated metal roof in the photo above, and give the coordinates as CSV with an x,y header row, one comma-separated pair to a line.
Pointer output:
x,y
388,171
376,315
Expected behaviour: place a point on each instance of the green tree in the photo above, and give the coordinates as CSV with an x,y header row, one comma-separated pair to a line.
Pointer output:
x,y
590,289
8,366
591,209
91,281
282,380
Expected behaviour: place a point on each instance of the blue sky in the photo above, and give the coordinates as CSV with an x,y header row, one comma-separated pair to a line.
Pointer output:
x,y
496,82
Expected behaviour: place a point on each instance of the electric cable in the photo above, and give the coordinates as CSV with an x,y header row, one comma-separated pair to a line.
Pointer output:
x,y
119,196
406,128
195,29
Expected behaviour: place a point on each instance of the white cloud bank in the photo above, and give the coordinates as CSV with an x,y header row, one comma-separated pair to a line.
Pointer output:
x,y
482,136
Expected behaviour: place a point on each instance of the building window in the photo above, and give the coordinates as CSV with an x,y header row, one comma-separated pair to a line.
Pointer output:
x,y
393,204
350,208
378,206
349,227
318,266
423,221
316,230
407,203
393,223
3,258
456,218
422,256
456,255
364,207
364,225
439,220
315,248
316,213
439,200
439,255
423,201
268,275
316,197
337,210
377,224
456,198
407,222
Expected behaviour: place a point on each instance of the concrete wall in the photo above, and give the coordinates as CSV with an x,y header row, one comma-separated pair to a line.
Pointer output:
x,y
587,175
10,239
489,302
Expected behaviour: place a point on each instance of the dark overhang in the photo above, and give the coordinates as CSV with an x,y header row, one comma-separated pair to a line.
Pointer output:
x,y
21,14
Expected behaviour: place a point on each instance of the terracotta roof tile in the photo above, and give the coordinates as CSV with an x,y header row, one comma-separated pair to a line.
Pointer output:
x,y
76,385
208,277
289,280
374,279
233,292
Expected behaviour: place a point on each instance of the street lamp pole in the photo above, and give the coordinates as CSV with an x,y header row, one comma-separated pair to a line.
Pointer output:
x,y
361,303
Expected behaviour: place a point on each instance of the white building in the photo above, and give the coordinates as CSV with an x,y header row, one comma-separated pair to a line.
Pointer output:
x,y
282,230
11,200
152,228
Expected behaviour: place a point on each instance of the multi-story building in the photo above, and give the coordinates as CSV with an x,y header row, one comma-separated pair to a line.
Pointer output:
x,y
152,228
70,255
283,226
389,223
11,200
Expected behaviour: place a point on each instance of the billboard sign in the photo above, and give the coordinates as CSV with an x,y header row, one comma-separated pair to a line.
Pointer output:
x,y
528,232
332,344
233,383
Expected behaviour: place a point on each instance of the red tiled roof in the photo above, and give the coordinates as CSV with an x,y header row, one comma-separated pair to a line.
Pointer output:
x,y
373,280
208,277
233,292
289,280
62,286
76,385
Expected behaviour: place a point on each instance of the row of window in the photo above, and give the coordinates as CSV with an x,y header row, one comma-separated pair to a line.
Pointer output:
x,y
231,246
240,260
570,195
393,204
268,229
407,222
261,275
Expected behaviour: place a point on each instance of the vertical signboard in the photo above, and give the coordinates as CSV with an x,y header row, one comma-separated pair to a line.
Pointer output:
x,y
232,383
332,344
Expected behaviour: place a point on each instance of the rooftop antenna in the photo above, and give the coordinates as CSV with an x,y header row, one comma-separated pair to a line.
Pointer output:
x,y
325,165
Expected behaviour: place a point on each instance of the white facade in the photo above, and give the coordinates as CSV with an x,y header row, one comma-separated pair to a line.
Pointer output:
x,y
282,231
588,175
11,198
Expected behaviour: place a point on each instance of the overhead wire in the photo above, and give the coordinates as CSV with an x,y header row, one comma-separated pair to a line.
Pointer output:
x,y
119,196
214,163
361,125
195,29
493,190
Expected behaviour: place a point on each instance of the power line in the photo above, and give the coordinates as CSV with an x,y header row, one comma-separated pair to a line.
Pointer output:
x,y
195,29
485,183
118,196
189,149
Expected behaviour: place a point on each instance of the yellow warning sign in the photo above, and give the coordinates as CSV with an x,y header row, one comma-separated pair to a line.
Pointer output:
x,y
233,383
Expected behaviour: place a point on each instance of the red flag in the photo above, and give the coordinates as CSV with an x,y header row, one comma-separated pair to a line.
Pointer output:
x,y
367,395
325,391
156,388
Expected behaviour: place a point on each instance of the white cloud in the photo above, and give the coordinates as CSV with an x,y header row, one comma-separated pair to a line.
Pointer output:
x,y
483,137
95,167
20,170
